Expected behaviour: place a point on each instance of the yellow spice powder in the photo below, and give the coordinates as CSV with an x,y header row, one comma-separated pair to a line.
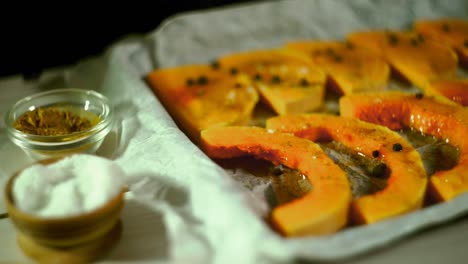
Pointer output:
x,y
51,121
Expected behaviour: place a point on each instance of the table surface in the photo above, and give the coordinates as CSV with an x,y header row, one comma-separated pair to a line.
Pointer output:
x,y
143,242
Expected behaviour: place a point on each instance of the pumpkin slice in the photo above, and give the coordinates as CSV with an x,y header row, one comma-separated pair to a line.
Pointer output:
x,y
454,89
427,114
407,180
375,40
324,209
453,32
286,81
199,96
419,60
352,69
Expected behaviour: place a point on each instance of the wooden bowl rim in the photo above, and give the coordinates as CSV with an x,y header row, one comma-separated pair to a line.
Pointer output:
x,y
17,214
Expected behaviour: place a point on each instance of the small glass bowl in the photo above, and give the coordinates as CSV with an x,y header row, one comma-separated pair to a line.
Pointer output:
x,y
42,147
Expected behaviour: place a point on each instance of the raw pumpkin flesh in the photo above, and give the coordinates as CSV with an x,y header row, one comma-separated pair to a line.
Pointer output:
x,y
453,32
419,60
286,80
352,69
199,96
454,89
407,181
324,209
427,114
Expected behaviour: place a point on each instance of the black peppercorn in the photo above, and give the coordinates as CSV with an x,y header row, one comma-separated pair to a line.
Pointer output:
x,y
257,77
304,82
466,43
392,39
375,153
276,79
397,147
338,58
445,28
202,80
215,65
419,95
190,82
234,71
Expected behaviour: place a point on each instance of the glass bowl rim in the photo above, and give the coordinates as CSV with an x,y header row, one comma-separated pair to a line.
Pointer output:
x,y
59,140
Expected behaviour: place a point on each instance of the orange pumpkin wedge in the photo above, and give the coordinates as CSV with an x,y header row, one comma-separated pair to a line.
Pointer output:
x,y
453,32
428,114
407,182
286,80
199,96
373,40
453,89
351,69
419,60
324,209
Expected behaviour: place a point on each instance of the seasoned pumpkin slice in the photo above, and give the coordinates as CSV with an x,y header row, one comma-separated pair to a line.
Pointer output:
x,y
286,80
453,32
351,69
374,40
324,209
453,89
407,181
419,60
427,114
199,96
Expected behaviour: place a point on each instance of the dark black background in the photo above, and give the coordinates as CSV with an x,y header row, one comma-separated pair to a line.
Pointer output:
x,y
36,38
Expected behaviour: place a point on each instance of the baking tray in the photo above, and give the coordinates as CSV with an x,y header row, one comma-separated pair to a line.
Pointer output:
x,y
201,37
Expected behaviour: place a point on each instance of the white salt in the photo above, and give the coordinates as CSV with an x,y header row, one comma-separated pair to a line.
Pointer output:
x,y
71,186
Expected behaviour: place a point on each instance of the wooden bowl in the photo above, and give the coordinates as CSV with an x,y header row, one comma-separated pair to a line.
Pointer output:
x,y
64,231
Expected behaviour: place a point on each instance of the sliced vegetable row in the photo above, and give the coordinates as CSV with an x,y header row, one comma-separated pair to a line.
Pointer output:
x,y
213,104
407,187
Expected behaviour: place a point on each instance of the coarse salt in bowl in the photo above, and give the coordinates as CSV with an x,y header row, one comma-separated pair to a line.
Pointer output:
x,y
66,202
71,186
88,105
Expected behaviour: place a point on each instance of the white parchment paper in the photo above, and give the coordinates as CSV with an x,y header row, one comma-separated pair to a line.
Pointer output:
x,y
202,36
202,215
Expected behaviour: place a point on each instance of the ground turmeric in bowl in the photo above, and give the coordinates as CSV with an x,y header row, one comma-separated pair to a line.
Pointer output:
x,y
54,121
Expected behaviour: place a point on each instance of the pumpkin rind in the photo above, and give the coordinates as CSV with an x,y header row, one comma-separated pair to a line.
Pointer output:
x,y
286,80
406,187
428,114
352,69
198,97
321,211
